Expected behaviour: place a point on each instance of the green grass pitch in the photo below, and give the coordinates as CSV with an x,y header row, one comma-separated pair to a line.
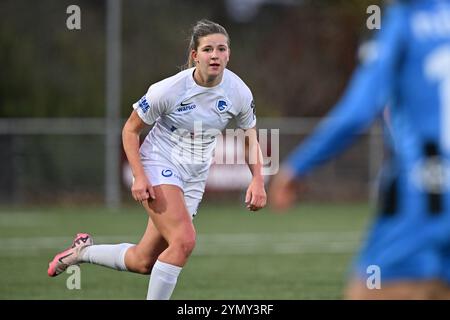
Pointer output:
x,y
302,254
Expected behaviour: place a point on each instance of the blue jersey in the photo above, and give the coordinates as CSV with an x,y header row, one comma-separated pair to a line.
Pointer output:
x,y
408,70
406,74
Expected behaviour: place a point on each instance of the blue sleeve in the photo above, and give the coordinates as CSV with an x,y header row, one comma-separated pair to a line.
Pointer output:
x,y
368,92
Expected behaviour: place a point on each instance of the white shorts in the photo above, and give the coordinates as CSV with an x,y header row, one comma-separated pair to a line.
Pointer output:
x,y
163,174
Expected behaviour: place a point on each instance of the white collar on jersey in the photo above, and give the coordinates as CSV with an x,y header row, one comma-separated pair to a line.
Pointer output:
x,y
193,84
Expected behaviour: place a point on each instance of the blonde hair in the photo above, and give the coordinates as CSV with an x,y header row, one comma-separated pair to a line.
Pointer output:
x,y
202,29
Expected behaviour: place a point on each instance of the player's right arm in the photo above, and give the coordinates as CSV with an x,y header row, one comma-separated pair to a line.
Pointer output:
x,y
145,112
141,189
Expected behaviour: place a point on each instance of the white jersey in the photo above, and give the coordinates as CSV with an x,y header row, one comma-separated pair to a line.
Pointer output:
x,y
188,117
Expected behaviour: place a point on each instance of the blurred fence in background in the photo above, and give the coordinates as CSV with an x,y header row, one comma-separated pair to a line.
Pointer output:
x,y
295,55
61,161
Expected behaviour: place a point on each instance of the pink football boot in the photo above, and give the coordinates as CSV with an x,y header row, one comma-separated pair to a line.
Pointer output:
x,y
69,256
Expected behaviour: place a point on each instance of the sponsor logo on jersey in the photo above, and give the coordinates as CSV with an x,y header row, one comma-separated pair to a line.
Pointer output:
x,y
166,173
143,104
185,107
221,105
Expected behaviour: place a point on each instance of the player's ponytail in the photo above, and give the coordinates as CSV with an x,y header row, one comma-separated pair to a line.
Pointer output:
x,y
202,29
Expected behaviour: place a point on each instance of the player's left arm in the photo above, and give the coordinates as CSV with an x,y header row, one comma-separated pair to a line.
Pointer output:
x,y
255,197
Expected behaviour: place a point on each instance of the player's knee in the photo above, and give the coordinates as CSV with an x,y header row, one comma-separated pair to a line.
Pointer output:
x,y
185,244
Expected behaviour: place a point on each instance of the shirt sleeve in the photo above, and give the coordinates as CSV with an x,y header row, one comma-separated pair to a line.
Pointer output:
x,y
152,105
368,93
246,118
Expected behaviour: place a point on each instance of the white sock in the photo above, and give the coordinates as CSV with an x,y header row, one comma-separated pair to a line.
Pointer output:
x,y
107,255
162,281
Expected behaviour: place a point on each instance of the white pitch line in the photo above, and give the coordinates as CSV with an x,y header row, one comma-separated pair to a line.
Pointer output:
x,y
211,244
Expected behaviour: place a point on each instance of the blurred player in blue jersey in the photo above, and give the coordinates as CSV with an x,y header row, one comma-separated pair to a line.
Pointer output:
x,y
407,69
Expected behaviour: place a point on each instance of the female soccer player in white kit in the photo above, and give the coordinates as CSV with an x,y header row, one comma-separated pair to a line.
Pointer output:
x,y
170,169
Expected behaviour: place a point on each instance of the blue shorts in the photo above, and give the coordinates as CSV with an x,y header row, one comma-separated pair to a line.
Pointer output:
x,y
406,247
